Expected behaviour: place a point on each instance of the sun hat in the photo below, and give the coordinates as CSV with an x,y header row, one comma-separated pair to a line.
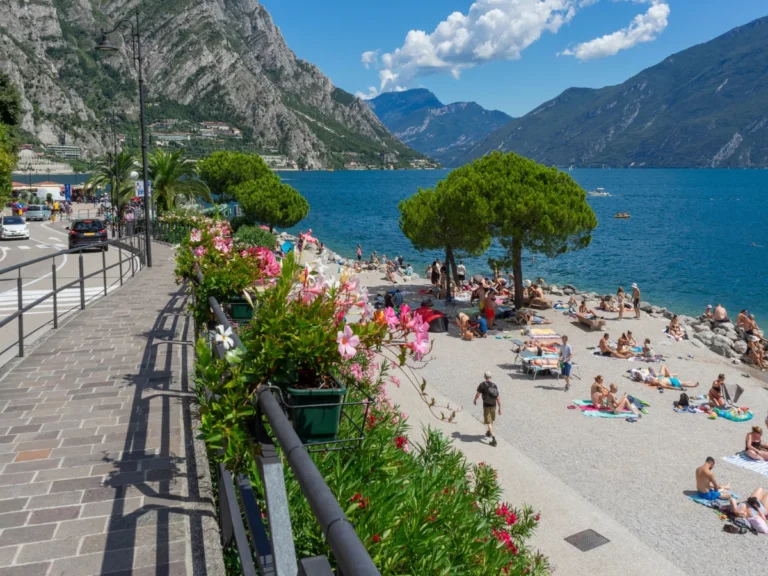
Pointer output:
x,y
709,305
634,285
488,374
526,283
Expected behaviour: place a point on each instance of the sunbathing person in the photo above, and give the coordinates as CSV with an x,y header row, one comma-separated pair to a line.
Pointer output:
x,y
527,317
606,350
675,330
707,486
605,305
753,510
537,299
598,392
620,405
584,309
631,339
755,448
533,347
647,350
716,399
650,378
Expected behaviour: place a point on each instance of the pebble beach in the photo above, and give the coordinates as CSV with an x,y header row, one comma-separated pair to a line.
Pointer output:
x,y
628,481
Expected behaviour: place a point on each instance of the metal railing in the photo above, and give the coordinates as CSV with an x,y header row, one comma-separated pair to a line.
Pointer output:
x,y
276,554
133,246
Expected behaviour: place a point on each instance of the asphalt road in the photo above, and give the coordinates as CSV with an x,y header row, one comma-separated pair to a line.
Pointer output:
x,y
47,239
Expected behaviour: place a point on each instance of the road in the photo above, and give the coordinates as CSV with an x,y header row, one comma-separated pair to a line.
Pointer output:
x,y
47,239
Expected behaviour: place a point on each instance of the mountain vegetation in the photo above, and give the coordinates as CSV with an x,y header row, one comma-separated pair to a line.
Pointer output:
x,y
10,116
441,131
702,107
219,60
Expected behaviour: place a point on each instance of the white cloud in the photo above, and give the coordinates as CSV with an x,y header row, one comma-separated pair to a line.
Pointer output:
x,y
370,58
491,30
643,28
372,93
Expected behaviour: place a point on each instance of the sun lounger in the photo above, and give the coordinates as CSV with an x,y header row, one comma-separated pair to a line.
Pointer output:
x,y
551,365
590,321
540,332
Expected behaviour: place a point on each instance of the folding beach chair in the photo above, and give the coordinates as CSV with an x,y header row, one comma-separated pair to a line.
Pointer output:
x,y
286,247
736,396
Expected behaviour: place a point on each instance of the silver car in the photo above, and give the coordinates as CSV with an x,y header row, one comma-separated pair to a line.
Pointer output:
x,y
12,227
38,212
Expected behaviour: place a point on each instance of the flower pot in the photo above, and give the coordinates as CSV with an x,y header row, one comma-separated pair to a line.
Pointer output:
x,y
316,412
239,310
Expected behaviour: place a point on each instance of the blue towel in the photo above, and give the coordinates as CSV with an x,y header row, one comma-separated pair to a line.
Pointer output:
x,y
286,247
711,503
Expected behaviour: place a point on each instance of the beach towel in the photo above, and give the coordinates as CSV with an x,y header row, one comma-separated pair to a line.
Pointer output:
x,y
540,332
587,409
286,247
734,415
761,467
716,504
561,306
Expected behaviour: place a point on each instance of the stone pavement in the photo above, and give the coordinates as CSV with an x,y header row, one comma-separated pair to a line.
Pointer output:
x,y
99,469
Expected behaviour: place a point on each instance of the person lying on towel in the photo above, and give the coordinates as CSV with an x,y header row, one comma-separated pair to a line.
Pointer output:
x,y
754,510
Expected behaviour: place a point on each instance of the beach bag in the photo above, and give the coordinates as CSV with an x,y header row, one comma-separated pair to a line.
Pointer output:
x,y
684,401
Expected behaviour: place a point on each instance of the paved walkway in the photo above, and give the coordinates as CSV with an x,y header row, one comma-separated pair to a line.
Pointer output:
x,y
99,469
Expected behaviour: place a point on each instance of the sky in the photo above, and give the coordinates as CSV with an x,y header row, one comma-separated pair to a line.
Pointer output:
x,y
510,55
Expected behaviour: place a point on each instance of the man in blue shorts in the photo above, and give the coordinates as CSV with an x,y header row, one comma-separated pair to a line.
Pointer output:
x,y
566,355
706,485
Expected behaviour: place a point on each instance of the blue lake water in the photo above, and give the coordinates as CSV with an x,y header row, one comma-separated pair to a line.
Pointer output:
x,y
688,243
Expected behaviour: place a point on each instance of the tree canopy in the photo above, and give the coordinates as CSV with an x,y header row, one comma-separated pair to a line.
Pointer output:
x,y
224,171
115,173
453,217
523,204
174,178
10,118
271,202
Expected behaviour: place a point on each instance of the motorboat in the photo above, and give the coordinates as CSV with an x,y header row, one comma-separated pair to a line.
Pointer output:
x,y
622,215
599,192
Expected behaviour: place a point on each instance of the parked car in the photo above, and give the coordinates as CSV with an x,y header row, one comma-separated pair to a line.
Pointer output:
x,y
89,233
38,212
13,227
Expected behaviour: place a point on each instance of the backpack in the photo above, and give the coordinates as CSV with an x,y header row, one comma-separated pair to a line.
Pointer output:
x,y
684,401
491,391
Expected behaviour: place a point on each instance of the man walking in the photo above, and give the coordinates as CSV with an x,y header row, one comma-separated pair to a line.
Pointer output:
x,y
566,355
490,393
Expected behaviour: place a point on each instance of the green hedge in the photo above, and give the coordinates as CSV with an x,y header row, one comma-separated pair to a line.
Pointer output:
x,y
255,236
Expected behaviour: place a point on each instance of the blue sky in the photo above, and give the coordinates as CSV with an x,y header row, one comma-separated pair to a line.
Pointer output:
x,y
474,56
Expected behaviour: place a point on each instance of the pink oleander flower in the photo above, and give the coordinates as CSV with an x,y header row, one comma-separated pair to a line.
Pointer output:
x,y
348,342
222,245
402,443
395,380
419,347
356,371
199,251
391,317
196,235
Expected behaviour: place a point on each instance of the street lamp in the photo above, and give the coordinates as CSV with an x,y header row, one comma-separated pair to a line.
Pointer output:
x,y
115,191
105,46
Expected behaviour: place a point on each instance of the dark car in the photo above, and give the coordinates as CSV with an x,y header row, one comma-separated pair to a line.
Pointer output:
x,y
90,233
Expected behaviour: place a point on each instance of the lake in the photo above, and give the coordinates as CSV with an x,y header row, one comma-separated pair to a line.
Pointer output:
x,y
689,242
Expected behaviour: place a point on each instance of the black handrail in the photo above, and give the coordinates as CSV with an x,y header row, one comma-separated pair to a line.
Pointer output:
x,y
125,243
349,552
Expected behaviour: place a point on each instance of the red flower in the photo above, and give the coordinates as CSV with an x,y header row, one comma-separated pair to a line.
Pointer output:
x,y
538,517
401,442
376,538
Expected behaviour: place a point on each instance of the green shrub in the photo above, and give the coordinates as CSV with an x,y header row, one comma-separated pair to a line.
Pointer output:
x,y
255,236
238,221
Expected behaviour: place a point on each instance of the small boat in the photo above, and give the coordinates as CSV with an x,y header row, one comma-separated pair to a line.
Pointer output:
x,y
570,168
599,192
622,215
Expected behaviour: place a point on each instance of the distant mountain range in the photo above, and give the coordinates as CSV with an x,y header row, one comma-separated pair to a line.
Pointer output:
x,y
444,132
706,106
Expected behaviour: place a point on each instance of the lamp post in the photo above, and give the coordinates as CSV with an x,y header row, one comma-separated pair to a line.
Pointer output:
x,y
105,46
115,191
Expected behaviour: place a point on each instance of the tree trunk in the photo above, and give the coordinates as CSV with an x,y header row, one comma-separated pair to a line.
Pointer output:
x,y
448,258
452,260
517,270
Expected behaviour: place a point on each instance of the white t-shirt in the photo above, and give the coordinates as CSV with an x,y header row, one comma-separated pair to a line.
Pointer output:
x,y
461,270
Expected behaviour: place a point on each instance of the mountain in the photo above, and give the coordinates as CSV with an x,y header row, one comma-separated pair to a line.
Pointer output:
x,y
217,60
441,131
702,107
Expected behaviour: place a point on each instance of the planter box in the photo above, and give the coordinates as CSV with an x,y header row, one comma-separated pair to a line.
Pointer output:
x,y
239,310
316,413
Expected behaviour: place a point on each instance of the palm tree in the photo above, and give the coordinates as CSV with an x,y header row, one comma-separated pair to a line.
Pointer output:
x,y
115,173
174,178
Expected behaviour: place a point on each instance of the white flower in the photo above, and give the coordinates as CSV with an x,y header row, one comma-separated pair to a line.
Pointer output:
x,y
224,336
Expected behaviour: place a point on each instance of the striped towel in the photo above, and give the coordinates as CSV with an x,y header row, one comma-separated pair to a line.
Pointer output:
x,y
743,462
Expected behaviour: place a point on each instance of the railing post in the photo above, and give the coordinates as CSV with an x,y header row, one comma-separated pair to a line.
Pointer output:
x,y
120,262
104,268
82,283
55,296
21,316
133,272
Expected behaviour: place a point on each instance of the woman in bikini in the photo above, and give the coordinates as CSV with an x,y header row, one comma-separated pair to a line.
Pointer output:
x,y
606,305
598,392
620,298
620,405
606,350
753,510
755,448
675,330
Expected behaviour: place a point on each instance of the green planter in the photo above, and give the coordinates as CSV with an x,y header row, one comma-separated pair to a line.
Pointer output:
x,y
316,413
240,310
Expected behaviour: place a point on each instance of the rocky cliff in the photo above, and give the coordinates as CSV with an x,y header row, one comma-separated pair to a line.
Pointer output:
x,y
441,131
204,59
703,107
